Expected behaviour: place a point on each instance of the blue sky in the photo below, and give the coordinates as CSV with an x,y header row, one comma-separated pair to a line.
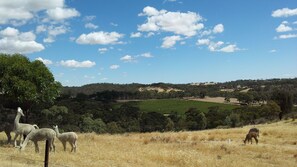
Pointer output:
x,y
149,41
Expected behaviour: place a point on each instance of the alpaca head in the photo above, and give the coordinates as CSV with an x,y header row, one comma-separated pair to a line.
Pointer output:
x,y
55,126
20,111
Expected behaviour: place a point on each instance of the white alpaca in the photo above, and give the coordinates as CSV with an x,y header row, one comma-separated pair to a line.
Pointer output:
x,y
65,137
40,135
21,129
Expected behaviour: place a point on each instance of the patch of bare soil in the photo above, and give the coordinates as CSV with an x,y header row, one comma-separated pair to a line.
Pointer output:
x,y
216,100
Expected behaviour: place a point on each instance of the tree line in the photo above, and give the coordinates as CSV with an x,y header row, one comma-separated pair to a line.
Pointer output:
x,y
31,86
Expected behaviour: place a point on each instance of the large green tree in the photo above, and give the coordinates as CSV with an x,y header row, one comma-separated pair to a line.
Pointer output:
x,y
24,83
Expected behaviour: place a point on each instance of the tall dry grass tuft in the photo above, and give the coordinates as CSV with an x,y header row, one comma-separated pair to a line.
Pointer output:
x,y
217,147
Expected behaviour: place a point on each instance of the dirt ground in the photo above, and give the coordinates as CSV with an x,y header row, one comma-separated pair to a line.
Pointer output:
x,y
215,100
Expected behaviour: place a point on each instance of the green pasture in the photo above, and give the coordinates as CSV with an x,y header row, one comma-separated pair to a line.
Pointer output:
x,y
178,105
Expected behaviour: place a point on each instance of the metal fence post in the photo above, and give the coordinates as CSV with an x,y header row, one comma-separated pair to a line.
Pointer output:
x,y
46,153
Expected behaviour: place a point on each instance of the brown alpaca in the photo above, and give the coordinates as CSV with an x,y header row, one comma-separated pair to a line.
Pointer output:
x,y
255,130
249,137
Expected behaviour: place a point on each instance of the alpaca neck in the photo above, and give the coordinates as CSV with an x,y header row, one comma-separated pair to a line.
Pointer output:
x,y
17,119
58,133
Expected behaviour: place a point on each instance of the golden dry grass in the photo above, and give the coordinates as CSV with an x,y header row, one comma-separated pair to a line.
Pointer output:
x,y
277,147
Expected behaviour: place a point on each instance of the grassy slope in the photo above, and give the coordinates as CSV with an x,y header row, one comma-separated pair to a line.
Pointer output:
x,y
178,105
277,147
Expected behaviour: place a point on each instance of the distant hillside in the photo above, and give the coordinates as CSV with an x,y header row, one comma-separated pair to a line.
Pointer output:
x,y
168,90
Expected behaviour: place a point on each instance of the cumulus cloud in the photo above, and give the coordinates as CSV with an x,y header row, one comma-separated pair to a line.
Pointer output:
x,y
186,24
91,26
59,13
44,61
77,64
169,42
102,50
114,67
52,31
102,38
219,28
203,42
283,27
285,12
19,12
135,35
217,46
229,48
214,46
287,36
147,55
127,58
13,41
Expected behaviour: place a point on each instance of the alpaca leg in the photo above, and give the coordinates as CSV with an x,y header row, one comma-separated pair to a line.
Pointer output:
x,y
256,140
8,136
64,145
53,145
75,146
15,138
36,147
72,146
21,139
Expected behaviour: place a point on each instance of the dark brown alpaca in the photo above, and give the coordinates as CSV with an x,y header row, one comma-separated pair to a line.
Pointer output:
x,y
249,137
255,130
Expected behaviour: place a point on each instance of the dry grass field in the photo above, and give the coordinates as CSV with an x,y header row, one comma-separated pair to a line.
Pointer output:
x,y
277,147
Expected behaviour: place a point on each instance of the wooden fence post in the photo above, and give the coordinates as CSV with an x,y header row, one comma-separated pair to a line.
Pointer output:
x,y
46,154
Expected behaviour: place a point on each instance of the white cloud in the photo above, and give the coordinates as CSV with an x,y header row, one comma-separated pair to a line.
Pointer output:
x,y
214,46
217,46
52,31
18,12
100,37
272,51
114,67
49,40
77,64
89,18
127,58
150,34
219,28
205,32
186,24
203,42
285,12
102,50
149,11
13,41
283,28
170,41
147,55
44,61
114,24
91,26
135,35
229,48
41,28
59,13
287,36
